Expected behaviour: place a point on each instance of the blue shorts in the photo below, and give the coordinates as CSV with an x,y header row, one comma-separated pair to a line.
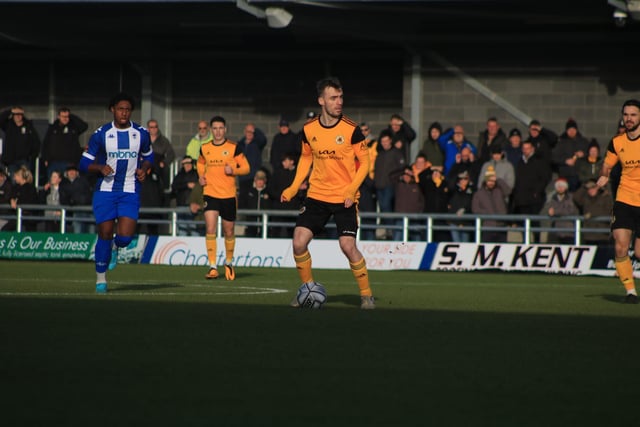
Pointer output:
x,y
108,206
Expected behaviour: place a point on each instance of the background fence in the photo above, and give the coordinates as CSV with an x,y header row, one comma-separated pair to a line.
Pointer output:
x,y
374,226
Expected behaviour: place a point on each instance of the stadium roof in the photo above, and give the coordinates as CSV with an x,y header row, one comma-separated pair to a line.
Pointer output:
x,y
163,29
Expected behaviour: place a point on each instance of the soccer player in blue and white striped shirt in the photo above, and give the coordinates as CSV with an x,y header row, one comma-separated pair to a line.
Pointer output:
x,y
120,153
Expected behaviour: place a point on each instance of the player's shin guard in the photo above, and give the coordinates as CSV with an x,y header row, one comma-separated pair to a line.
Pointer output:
x,y
624,268
359,270
303,265
102,255
229,247
212,248
122,241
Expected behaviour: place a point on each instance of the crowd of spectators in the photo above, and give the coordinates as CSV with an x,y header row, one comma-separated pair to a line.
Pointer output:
x,y
535,172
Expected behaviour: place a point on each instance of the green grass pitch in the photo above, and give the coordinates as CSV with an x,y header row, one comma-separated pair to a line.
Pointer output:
x,y
167,347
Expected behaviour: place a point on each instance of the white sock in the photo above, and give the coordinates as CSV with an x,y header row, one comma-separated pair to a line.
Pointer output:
x,y
632,292
101,278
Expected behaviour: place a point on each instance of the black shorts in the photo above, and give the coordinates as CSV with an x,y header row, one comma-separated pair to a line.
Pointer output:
x,y
315,214
627,217
228,208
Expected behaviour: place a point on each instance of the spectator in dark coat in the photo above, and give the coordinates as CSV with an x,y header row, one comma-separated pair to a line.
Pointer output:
x,y
183,184
465,162
256,198
282,178
402,131
431,147
571,146
532,176
252,143
513,150
543,140
163,153
492,136
460,199
61,144
284,142
6,188
151,196
21,142
23,193
408,199
589,166
436,196
389,160
75,191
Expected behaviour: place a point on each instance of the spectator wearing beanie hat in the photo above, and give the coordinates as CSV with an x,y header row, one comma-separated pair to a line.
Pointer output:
x,y
571,147
561,204
501,167
513,149
491,199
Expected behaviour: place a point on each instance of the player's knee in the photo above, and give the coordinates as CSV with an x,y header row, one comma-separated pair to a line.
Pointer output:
x,y
122,241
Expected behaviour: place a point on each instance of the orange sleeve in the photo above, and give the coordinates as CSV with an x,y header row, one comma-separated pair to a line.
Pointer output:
x,y
242,166
200,165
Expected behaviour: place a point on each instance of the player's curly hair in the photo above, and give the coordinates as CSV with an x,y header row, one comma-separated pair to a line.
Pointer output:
x,y
122,96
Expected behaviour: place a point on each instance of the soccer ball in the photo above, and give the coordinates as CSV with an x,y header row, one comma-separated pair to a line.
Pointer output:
x,y
311,295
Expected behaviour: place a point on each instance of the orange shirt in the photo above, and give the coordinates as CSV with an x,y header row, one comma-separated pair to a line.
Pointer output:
x,y
211,163
627,152
334,152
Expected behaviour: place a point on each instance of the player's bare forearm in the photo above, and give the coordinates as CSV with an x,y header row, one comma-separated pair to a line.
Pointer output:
x,y
104,170
605,171
141,173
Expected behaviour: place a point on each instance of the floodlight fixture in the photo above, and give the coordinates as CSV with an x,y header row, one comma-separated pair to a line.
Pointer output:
x,y
276,17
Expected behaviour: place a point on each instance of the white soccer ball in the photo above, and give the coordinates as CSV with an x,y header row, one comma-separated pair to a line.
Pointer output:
x,y
311,295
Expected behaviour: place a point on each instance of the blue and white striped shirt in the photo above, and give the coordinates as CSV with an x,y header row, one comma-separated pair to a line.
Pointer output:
x,y
122,149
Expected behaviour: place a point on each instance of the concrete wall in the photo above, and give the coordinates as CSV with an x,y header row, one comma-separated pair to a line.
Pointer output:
x,y
261,91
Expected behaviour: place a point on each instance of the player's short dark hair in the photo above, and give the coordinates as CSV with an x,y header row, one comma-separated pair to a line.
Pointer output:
x,y
328,82
122,96
631,102
219,119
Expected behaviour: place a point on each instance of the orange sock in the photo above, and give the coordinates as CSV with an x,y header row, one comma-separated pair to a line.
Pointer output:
x,y
359,270
303,265
212,248
229,247
625,273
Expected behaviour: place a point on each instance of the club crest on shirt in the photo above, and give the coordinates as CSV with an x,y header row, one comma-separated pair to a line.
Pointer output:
x,y
225,153
339,139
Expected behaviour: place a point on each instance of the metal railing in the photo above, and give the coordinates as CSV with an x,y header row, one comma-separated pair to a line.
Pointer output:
x,y
410,227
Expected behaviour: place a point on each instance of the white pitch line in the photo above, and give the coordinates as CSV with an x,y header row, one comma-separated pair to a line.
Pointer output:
x,y
235,290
